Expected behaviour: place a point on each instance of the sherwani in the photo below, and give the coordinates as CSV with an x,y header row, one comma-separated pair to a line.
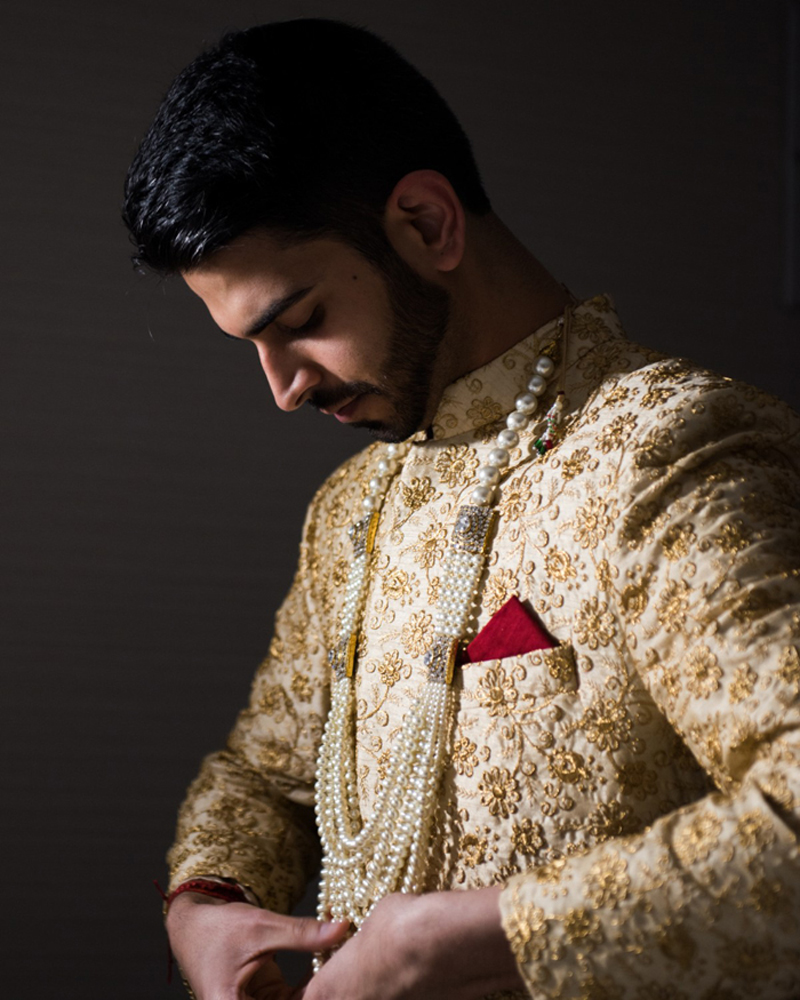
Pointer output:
x,y
635,788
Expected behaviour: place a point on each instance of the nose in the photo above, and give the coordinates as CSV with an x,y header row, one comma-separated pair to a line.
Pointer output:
x,y
291,378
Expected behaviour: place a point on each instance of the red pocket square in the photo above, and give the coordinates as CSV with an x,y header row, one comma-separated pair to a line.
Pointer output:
x,y
511,631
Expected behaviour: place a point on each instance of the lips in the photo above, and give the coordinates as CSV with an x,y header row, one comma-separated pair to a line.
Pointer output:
x,y
345,413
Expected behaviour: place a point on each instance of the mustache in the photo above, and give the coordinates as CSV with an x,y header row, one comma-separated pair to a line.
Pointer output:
x,y
327,399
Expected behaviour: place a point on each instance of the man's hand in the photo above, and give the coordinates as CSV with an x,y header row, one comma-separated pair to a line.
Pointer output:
x,y
443,945
226,949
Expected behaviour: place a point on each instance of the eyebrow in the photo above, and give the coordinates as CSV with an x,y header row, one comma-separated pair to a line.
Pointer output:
x,y
274,310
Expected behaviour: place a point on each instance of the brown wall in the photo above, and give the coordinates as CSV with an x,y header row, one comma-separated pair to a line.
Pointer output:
x,y
151,495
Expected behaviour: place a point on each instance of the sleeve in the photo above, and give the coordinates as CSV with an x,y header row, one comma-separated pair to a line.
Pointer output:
x,y
705,903
248,816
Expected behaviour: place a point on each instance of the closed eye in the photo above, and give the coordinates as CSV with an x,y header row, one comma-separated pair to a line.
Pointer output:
x,y
313,321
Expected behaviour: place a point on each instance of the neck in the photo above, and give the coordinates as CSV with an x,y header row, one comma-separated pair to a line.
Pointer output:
x,y
501,294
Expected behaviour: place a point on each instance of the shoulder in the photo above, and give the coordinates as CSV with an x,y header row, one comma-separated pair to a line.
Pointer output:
x,y
668,409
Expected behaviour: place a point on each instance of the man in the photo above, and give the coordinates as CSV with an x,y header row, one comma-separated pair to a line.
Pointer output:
x,y
540,653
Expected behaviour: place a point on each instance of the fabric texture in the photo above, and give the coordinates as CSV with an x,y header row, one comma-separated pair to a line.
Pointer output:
x,y
636,787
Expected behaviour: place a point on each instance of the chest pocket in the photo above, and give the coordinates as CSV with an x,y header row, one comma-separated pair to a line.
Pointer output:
x,y
518,706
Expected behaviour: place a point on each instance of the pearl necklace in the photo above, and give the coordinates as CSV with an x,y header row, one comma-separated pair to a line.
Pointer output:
x,y
363,862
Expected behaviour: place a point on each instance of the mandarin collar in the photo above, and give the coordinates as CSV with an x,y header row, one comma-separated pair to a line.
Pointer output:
x,y
486,395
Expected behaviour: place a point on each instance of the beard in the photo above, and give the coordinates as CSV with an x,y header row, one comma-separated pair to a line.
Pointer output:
x,y
419,316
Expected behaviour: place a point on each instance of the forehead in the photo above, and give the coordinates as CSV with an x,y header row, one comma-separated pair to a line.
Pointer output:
x,y
256,259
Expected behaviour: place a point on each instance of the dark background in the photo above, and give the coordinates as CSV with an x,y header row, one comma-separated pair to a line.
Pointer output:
x,y
152,494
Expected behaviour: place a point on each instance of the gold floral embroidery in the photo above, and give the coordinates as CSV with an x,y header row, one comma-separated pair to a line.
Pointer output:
x,y
500,587
575,464
457,464
673,605
698,838
582,926
594,624
497,692
431,546
484,411
703,672
592,523
607,724
417,492
301,687
754,831
558,565
515,498
499,791
742,684
391,668
465,759
607,882
678,541
417,633
527,837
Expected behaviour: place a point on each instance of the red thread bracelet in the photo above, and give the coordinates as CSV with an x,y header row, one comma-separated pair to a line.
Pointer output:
x,y
206,887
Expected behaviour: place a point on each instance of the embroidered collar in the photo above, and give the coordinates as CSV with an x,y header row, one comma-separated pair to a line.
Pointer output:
x,y
484,396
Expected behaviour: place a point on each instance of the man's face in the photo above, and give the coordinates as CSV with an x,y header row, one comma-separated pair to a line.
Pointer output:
x,y
331,329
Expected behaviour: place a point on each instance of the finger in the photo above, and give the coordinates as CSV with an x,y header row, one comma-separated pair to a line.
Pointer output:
x,y
304,933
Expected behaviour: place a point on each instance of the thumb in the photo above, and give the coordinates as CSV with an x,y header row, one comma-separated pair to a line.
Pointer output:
x,y
306,933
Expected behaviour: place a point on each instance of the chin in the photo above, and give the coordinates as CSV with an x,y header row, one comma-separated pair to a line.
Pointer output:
x,y
382,432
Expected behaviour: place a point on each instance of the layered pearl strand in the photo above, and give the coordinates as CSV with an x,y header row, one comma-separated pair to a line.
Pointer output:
x,y
363,862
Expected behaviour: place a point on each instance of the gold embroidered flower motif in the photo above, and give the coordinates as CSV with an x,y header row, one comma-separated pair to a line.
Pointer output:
x,y
558,565
500,587
568,766
457,464
592,523
417,492
673,605
499,791
465,759
484,411
789,671
656,450
301,687
527,837
742,684
656,396
605,574
754,831
594,624
526,928
391,668
678,541
273,701
417,633
610,819
575,464
515,498
702,672
615,434
607,724
607,882
582,926
497,692
431,546
697,839
396,585
733,537
472,850
633,601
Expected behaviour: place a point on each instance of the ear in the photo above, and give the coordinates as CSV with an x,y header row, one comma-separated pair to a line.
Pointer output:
x,y
424,221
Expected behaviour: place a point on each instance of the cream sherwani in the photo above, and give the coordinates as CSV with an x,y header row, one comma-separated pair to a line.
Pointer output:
x,y
636,789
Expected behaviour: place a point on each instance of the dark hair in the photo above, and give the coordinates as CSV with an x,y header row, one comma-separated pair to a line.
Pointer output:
x,y
303,127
